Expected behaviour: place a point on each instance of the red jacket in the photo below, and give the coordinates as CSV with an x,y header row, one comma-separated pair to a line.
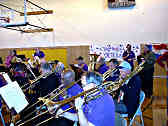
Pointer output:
x,y
163,58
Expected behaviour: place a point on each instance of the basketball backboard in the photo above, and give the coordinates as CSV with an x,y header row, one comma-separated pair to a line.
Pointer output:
x,y
14,14
10,11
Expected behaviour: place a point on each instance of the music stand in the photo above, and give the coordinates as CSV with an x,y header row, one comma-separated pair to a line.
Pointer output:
x,y
1,61
23,57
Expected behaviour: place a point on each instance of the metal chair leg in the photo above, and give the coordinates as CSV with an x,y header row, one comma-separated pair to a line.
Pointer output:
x,y
3,122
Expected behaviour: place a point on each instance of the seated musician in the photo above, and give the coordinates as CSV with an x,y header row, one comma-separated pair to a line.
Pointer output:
x,y
81,64
79,68
58,66
128,99
113,65
101,66
66,119
97,112
49,82
12,54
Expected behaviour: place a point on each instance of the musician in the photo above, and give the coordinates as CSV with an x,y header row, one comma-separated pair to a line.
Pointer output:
x,y
20,74
113,65
147,73
17,68
81,64
67,118
8,60
101,66
79,68
128,99
58,66
129,56
100,110
39,56
39,53
48,83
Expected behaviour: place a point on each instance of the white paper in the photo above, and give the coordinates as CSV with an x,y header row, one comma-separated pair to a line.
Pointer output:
x,y
6,77
11,124
14,96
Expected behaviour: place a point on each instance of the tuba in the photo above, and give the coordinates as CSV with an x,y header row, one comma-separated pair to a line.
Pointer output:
x,y
93,59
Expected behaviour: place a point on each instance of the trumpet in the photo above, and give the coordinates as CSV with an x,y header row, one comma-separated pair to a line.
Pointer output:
x,y
109,86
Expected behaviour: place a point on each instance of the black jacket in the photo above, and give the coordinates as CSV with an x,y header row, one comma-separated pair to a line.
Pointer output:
x,y
131,95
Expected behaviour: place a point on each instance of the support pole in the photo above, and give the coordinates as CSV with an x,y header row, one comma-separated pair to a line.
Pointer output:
x,y
25,11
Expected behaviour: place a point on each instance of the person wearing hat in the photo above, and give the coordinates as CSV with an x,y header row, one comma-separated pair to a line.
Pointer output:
x,y
129,56
128,99
147,73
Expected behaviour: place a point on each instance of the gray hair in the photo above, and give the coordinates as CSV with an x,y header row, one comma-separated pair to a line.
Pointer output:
x,y
69,74
45,68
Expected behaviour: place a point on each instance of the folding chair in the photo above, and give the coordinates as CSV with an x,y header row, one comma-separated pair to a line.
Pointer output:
x,y
3,122
138,111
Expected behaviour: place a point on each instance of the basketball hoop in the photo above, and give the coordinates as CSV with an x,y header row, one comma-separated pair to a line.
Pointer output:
x,y
5,19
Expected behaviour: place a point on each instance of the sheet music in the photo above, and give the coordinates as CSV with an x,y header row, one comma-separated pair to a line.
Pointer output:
x,y
14,96
6,77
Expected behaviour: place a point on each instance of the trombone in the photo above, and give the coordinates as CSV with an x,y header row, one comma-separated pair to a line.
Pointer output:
x,y
36,79
109,73
58,91
110,87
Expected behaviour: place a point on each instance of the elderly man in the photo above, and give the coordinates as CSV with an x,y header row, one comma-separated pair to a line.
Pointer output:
x,y
68,118
128,99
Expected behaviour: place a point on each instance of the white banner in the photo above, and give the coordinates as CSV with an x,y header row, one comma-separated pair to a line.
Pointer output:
x,y
109,51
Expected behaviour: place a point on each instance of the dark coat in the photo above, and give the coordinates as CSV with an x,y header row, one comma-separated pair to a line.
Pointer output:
x,y
131,94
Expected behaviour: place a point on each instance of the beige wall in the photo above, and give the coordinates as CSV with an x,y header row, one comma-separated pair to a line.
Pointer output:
x,y
84,21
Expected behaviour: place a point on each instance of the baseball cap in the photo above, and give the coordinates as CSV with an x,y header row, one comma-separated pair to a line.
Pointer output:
x,y
125,65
